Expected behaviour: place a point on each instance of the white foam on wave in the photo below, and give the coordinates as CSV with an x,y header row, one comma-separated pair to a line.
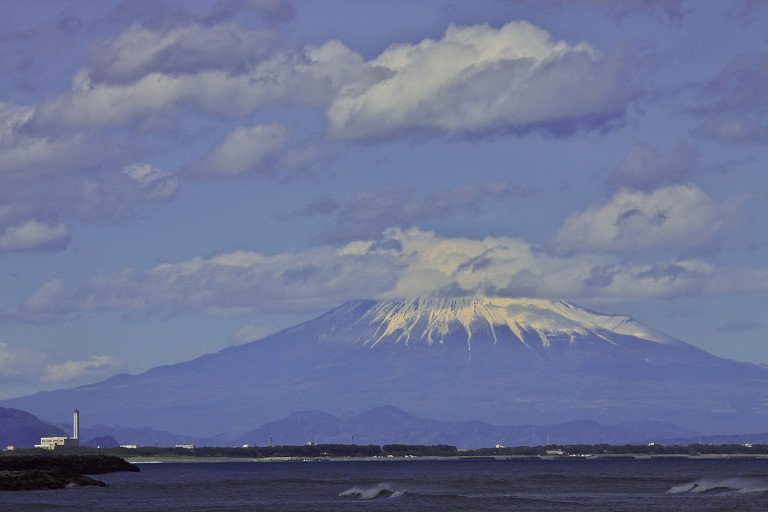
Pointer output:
x,y
381,490
742,485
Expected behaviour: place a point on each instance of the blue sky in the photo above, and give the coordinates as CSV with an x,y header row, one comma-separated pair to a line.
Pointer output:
x,y
181,176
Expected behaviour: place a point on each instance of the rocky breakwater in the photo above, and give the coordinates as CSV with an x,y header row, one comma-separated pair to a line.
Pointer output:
x,y
29,472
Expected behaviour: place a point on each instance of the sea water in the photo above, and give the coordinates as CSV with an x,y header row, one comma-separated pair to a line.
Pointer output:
x,y
401,485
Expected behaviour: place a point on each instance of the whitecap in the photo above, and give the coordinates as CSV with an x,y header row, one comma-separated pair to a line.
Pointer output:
x,y
381,490
742,485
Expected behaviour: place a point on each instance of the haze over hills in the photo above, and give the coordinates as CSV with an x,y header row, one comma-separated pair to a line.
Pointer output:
x,y
492,360
391,425
20,428
379,426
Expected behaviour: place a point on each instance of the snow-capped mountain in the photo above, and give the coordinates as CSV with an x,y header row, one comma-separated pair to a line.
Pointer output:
x,y
501,361
533,323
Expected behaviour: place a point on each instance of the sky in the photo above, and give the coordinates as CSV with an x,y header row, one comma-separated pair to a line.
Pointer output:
x,y
177,177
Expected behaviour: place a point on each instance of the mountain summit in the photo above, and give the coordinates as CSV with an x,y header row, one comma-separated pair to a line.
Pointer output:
x,y
533,324
502,361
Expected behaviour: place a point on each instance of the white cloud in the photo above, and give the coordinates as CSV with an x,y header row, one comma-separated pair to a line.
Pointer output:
x,y
402,263
34,235
15,363
26,155
46,180
477,80
244,150
738,101
252,332
180,49
644,168
155,184
49,293
734,129
369,213
673,10
678,216
20,365
73,371
309,76
272,10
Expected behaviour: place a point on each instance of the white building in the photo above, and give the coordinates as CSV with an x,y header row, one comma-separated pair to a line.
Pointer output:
x,y
52,443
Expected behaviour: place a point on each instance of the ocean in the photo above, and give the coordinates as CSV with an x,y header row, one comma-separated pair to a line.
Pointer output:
x,y
403,485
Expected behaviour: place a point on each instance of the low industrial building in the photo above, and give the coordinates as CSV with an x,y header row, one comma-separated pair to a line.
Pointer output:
x,y
54,443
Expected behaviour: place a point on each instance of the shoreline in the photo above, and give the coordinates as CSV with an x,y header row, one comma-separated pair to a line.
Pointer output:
x,y
607,456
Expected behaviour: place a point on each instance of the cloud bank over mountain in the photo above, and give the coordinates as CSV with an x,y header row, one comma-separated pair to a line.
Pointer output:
x,y
401,263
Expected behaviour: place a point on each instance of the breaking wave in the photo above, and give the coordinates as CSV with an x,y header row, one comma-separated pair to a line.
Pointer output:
x,y
741,485
382,490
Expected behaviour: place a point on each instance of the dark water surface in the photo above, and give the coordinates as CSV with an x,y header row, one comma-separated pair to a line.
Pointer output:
x,y
489,485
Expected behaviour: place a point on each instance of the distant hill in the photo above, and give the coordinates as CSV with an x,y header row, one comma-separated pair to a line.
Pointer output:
x,y
22,429
379,426
102,442
145,436
391,425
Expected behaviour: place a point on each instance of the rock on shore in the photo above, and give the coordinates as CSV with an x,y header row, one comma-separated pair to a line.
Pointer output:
x,y
33,479
28,472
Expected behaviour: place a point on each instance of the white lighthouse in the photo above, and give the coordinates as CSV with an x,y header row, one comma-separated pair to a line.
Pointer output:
x,y
76,428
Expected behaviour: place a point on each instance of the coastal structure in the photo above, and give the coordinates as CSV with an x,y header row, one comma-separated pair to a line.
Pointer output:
x,y
53,443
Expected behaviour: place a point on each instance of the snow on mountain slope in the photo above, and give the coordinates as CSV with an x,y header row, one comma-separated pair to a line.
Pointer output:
x,y
431,320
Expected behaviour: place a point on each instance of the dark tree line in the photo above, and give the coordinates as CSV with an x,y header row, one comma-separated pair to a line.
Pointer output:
x,y
406,450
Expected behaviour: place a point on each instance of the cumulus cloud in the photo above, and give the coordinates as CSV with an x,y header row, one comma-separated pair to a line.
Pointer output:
x,y
401,263
70,371
252,332
272,10
369,213
20,365
146,86
677,216
16,363
741,326
325,205
738,101
67,156
152,183
673,10
47,179
182,49
734,129
22,152
35,209
244,150
645,169
47,294
34,235
478,80
113,195
474,81
740,86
